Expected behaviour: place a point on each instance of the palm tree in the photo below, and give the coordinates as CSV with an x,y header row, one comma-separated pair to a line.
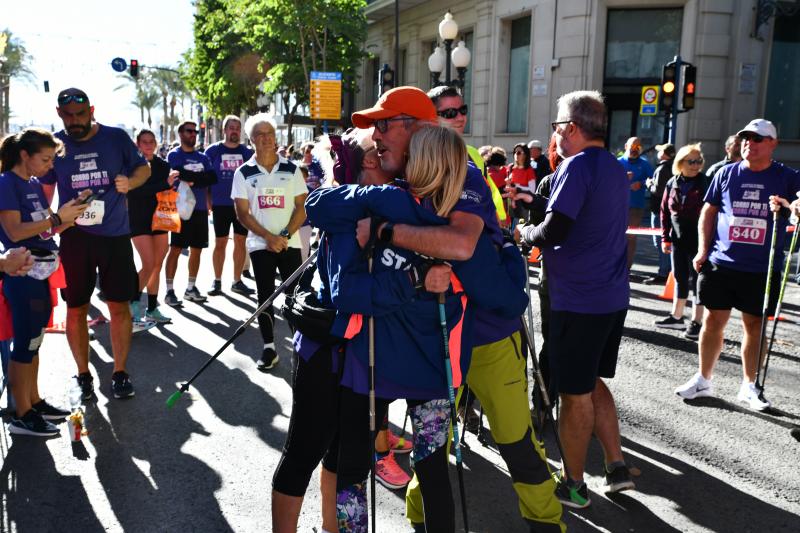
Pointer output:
x,y
14,60
169,84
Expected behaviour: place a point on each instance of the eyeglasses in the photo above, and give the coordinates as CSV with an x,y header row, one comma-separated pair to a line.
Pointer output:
x,y
694,161
452,112
64,99
555,125
382,124
753,137
190,132
519,152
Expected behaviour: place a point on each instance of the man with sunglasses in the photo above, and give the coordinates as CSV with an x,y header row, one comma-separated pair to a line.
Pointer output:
x,y
638,170
735,231
195,169
105,161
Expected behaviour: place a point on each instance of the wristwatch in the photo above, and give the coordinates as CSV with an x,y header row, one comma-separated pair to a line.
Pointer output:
x,y
285,233
386,233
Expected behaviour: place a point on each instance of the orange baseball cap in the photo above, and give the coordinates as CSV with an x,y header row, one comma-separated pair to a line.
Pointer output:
x,y
398,101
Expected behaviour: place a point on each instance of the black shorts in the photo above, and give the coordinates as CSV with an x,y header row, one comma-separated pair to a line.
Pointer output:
x,y
84,256
722,288
142,223
194,232
224,218
583,347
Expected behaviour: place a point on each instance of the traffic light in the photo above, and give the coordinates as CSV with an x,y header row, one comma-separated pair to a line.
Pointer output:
x,y
689,87
385,79
668,87
134,68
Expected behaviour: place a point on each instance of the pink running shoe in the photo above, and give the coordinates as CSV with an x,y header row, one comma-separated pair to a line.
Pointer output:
x,y
398,445
389,473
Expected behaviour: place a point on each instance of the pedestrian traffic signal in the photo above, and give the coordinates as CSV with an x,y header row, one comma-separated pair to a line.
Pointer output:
x,y
134,68
689,87
668,87
385,79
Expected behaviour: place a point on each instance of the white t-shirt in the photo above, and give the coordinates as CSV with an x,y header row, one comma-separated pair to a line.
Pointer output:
x,y
271,196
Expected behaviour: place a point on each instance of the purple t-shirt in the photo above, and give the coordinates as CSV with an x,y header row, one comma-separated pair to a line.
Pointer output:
x,y
27,197
641,170
588,272
225,161
94,164
744,223
194,162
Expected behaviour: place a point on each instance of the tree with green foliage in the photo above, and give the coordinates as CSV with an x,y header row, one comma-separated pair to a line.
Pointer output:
x,y
14,61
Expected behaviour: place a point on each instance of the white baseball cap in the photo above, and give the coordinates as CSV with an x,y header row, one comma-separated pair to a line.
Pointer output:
x,y
760,126
535,144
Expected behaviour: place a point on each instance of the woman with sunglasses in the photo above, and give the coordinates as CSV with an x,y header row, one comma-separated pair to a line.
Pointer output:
x,y
680,214
152,246
25,220
521,175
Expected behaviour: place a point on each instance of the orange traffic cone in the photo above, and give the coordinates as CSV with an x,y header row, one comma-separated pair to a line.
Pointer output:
x,y
669,288
535,255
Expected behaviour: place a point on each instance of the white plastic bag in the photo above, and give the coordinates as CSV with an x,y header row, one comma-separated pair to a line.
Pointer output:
x,y
186,200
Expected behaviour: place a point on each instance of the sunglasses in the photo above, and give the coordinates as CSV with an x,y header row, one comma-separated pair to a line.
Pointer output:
x,y
753,137
694,161
555,125
452,112
64,99
382,124
190,132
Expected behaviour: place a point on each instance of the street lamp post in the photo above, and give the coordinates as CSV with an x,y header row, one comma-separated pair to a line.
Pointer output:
x,y
441,59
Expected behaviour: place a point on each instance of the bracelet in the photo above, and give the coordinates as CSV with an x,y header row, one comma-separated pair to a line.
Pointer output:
x,y
55,220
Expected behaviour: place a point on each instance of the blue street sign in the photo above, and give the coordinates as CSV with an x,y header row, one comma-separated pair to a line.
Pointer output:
x,y
326,76
119,64
648,110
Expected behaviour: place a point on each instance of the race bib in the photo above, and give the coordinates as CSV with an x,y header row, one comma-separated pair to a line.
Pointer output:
x,y
269,198
93,214
194,167
38,216
231,161
746,230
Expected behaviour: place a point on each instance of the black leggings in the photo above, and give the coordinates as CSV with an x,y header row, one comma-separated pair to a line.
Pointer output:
x,y
683,270
355,461
264,264
312,435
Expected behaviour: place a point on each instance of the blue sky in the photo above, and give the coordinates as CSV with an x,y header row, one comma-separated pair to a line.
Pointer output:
x,y
73,43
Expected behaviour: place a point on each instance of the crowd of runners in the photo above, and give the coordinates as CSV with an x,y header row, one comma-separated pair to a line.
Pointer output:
x,y
415,283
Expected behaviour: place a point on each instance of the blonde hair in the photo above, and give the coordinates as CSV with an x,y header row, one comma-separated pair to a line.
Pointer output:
x,y
683,154
437,167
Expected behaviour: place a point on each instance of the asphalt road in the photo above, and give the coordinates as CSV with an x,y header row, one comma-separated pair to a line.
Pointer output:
x,y
206,465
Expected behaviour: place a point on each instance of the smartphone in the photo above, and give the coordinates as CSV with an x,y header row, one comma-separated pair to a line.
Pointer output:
x,y
88,199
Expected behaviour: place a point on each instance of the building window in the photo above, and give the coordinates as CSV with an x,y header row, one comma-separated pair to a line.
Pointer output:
x,y
783,91
639,42
374,66
518,68
467,90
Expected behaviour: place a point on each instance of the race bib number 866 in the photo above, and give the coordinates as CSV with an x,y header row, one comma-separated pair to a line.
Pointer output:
x,y
269,198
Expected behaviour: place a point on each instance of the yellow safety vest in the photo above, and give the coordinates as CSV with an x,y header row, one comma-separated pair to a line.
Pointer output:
x,y
496,197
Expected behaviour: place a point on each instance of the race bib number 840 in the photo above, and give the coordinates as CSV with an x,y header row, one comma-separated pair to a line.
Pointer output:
x,y
269,198
745,230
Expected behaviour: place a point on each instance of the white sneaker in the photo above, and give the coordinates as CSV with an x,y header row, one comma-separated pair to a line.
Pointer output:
x,y
749,394
142,325
697,387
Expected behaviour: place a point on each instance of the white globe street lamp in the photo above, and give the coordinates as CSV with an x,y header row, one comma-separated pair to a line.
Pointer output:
x,y
440,60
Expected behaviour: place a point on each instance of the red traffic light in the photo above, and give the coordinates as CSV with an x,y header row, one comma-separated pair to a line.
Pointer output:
x,y
690,88
134,67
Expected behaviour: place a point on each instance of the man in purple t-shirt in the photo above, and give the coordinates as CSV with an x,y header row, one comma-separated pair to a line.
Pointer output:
x,y
226,156
105,161
583,242
734,232
195,169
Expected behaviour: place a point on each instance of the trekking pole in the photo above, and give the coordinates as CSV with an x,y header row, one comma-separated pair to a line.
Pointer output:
x,y
372,422
777,313
243,327
453,417
464,423
532,346
770,267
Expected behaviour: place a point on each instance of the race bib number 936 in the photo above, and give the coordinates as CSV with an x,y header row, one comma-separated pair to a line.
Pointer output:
x,y
269,198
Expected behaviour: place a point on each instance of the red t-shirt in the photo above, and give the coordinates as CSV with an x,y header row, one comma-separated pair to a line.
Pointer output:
x,y
523,176
498,176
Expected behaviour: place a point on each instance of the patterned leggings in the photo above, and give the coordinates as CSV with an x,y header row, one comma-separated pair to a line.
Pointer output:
x,y
430,422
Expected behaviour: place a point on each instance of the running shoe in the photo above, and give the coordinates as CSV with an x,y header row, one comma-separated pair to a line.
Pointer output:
x,y
86,383
618,479
269,358
670,323
247,274
696,387
572,494
753,397
216,288
49,412
398,445
193,295
136,311
171,300
240,288
156,316
142,325
692,331
389,473
32,423
121,385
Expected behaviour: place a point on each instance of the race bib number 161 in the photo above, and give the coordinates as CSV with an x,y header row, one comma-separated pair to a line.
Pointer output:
x,y
269,198
745,230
